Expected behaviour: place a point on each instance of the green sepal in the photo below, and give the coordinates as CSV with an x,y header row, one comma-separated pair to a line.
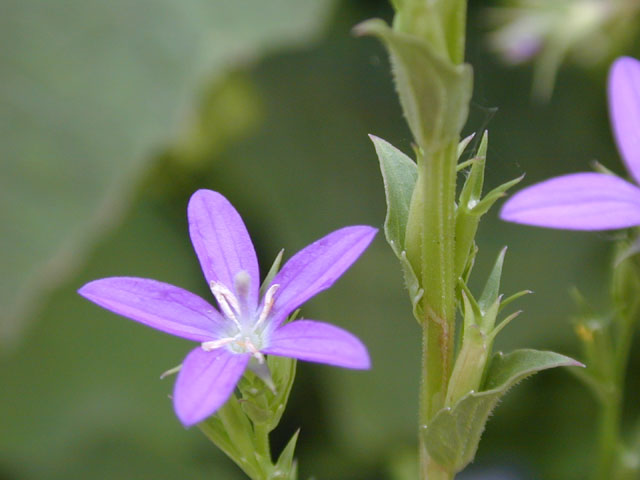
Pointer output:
x,y
230,430
283,371
434,92
470,196
484,311
493,196
472,188
264,404
470,309
478,332
492,287
286,467
512,298
472,206
471,260
275,267
399,174
471,360
452,436
462,146
600,168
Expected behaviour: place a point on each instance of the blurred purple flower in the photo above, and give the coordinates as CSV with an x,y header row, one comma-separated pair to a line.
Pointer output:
x,y
245,326
593,201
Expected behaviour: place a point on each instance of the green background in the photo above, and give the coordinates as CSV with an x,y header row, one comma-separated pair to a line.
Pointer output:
x,y
111,116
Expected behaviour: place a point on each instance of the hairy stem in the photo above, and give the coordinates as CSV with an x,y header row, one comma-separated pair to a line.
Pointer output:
x,y
437,171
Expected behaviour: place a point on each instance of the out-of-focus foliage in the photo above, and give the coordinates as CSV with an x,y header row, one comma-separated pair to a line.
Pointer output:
x,y
89,91
81,396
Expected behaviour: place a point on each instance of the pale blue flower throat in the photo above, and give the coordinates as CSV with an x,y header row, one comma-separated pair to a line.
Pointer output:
x,y
246,326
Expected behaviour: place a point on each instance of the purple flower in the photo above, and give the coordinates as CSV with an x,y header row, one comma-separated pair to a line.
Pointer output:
x,y
593,201
244,326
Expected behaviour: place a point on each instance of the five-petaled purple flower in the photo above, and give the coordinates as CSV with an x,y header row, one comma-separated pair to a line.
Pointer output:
x,y
245,326
593,201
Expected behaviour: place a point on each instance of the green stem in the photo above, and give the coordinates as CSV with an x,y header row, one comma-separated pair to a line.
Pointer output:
x,y
609,437
437,172
432,395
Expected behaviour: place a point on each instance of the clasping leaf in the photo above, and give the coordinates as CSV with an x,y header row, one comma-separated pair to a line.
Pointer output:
x,y
453,434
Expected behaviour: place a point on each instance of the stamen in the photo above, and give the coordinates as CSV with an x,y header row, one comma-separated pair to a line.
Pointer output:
x,y
227,301
268,303
251,348
213,344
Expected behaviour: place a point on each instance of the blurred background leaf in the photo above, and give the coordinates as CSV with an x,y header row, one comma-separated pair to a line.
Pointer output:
x,y
285,139
90,90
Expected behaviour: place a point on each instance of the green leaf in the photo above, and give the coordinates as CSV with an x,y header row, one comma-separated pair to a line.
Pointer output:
x,y
90,91
434,93
453,435
413,285
507,370
440,22
399,174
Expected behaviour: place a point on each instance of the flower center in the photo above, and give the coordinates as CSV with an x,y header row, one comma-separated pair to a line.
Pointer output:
x,y
246,328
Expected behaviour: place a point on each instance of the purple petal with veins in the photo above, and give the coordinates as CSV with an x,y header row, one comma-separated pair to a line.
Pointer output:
x,y
318,342
317,266
205,382
221,241
159,305
624,107
593,201
581,201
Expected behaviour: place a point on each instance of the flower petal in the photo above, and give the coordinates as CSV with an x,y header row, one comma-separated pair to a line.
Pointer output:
x,y
221,241
317,266
581,201
624,108
205,382
156,304
318,342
